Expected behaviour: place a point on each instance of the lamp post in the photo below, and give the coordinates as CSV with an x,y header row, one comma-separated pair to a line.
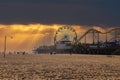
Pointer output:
x,y
5,45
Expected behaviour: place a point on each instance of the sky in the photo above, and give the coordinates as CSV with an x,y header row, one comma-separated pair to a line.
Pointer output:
x,y
26,37
34,22
80,12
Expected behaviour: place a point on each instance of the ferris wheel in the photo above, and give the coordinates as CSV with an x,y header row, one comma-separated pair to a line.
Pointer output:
x,y
65,33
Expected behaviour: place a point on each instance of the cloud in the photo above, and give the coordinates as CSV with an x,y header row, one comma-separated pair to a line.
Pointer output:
x,y
25,37
75,12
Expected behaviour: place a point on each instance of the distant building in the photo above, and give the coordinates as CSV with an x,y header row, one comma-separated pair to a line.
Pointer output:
x,y
64,45
43,49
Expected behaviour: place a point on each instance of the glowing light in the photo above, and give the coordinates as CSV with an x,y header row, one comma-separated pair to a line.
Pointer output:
x,y
28,36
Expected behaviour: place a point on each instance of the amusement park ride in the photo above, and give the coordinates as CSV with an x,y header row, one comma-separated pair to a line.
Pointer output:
x,y
111,46
66,41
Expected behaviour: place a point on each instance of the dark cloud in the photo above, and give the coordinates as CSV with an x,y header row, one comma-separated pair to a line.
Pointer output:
x,y
83,12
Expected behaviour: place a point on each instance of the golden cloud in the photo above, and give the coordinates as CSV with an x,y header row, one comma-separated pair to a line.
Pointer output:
x,y
25,37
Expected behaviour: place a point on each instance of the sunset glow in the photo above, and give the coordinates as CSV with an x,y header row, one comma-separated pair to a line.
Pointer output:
x,y
26,37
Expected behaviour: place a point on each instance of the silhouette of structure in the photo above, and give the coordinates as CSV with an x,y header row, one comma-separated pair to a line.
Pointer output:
x,y
43,49
65,41
108,47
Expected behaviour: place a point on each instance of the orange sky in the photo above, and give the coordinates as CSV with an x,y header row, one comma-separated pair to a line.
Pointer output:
x,y
25,37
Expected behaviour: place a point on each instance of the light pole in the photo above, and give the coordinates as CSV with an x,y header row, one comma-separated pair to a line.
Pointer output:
x,y
5,45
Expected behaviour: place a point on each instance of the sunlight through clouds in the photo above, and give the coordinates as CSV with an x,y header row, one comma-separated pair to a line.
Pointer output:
x,y
25,37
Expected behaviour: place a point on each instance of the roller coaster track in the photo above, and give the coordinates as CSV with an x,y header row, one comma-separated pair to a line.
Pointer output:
x,y
95,31
114,29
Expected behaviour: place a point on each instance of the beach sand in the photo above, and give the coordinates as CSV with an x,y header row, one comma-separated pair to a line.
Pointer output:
x,y
59,67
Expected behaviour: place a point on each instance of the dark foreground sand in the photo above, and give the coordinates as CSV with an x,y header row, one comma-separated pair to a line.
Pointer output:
x,y
59,67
